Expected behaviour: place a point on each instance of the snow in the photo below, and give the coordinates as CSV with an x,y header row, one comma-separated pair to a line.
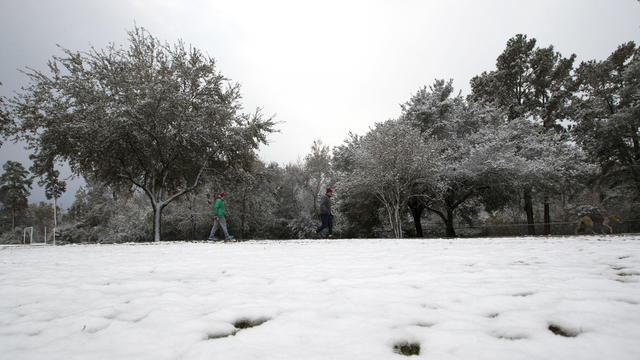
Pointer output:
x,y
493,298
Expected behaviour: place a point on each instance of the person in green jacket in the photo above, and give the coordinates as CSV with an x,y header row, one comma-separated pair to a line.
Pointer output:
x,y
219,221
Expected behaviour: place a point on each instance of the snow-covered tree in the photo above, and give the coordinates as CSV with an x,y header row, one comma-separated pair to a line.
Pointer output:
x,y
250,198
15,187
483,159
317,171
509,87
4,120
152,115
54,187
388,161
290,192
532,83
608,118
468,165
549,163
357,207
553,87
104,214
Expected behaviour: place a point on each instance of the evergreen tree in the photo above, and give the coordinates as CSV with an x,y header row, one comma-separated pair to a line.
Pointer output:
x,y
15,186
4,120
509,87
553,87
530,83
608,118
54,187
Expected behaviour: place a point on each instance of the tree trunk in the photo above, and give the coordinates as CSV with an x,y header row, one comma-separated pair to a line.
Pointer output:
x,y
448,221
157,215
13,219
243,235
398,222
192,217
547,216
528,208
193,226
389,214
417,208
156,197
451,232
394,219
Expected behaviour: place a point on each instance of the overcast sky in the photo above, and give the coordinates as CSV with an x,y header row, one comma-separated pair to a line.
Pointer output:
x,y
323,68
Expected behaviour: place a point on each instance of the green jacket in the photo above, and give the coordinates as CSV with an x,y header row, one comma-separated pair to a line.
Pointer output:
x,y
218,208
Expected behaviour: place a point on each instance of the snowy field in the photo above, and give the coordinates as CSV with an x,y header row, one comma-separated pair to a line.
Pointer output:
x,y
506,298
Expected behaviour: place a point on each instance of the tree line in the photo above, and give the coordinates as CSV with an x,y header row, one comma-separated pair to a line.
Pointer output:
x,y
157,131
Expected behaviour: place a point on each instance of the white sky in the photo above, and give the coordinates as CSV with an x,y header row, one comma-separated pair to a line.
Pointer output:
x,y
487,298
322,68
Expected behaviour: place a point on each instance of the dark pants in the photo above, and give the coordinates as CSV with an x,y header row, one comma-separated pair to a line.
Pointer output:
x,y
327,222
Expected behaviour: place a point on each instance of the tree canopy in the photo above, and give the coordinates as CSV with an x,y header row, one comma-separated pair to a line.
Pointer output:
x,y
153,123
151,116
607,121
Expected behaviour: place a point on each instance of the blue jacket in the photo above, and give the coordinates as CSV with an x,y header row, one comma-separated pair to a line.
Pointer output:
x,y
325,205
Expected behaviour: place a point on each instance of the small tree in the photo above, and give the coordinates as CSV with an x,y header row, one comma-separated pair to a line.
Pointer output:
x,y
358,207
251,198
292,202
101,213
153,116
388,161
15,186
54,187
317,168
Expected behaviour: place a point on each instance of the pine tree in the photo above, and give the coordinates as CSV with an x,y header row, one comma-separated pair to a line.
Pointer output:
x,y
608,118
15,186
531,83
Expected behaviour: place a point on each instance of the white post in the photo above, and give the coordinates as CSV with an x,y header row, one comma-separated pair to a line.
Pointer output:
x,y
55,222
24,235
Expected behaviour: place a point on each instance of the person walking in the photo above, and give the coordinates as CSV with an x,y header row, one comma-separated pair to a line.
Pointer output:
x,y
325,213
219,213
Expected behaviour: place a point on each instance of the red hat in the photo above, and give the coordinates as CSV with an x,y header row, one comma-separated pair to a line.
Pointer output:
x,y
329,190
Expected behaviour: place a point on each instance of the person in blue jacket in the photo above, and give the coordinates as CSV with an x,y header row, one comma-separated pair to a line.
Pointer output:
x,y
325,213
219,213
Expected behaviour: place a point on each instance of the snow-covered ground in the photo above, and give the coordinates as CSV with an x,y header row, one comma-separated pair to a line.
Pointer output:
x,y
507,298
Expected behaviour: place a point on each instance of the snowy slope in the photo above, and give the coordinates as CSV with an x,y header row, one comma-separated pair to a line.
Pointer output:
x,y
342,299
